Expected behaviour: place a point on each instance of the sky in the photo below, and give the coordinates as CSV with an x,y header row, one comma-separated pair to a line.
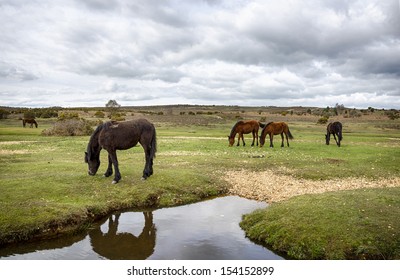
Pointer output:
x,y
84,53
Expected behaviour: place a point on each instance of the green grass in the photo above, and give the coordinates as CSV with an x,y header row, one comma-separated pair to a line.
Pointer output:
x,y
358,224
45,189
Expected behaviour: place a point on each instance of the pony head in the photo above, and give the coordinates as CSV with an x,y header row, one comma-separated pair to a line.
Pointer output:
x,y
327,138
262,141
231,140
93,163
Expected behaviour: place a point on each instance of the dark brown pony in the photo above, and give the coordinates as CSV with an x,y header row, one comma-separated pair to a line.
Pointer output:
x,y
31,121
113,136
275,128
242,127
334,128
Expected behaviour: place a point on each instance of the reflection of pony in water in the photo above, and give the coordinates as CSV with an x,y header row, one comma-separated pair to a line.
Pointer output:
x,y
275,128
242,127
30,121
116,245
335,129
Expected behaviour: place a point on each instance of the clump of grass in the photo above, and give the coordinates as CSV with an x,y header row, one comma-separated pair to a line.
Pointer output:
x,y
357,224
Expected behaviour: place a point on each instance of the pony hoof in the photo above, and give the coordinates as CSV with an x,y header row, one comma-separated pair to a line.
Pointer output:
x,y
114,182
143,178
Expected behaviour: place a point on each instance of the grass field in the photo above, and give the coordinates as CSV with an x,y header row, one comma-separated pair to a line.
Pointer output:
x,y
45,189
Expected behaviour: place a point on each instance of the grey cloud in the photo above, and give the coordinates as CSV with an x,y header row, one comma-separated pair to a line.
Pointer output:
x,y
203,51
16,73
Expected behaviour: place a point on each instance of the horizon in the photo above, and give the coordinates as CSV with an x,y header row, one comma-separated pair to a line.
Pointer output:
x,y
197,105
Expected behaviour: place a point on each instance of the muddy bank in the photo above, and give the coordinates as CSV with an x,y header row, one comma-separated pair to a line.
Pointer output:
x,y
275,186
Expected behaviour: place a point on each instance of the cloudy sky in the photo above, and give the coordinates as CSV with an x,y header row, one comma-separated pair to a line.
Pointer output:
x,y
217,52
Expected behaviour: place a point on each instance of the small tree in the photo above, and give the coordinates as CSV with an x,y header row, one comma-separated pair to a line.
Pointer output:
x,y
113,107
339,108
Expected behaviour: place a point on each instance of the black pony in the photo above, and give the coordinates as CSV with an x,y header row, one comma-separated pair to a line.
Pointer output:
x,y
113,136
335,129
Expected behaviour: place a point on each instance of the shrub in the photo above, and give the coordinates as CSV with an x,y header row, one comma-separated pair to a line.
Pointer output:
x,y
117,117
68,116
29,115
392,115
4,114
46,114
99,114
69,127
323,120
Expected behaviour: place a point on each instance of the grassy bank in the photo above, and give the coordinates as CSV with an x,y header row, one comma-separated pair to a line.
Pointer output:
x,y
45,189
357,224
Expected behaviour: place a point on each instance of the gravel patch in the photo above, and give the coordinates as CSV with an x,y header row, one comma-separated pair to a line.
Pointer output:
x,y
272,186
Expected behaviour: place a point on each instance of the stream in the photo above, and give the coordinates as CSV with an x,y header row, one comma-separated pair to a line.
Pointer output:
x,y
207,230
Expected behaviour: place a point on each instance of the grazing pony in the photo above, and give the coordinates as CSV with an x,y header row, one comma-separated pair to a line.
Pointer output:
x,y
31,121
334,128
244,127
113,136
275,128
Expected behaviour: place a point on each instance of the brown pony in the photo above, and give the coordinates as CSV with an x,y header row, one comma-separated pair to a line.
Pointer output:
x,y
242,127
31,121
275,128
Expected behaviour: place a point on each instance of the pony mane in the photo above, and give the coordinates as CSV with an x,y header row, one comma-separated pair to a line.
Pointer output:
x,y
92,147
265,127
234,128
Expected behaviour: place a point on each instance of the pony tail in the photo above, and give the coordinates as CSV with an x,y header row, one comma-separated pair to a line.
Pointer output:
x,y
339,128
153,145
262,125
290,134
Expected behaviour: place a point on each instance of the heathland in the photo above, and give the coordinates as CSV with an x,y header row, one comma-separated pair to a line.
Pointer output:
x,y
326,202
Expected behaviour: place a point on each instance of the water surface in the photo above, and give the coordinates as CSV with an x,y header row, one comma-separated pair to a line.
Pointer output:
x,y
204,230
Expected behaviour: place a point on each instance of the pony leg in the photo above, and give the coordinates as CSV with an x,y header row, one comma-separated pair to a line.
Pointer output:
x,y
254,136
114,160
148,167
109,170
238,143
283,140
241,135
257,137
287,139
334,136
271,139
149,144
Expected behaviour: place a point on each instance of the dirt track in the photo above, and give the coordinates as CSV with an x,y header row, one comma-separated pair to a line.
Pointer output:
x,y
271,187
